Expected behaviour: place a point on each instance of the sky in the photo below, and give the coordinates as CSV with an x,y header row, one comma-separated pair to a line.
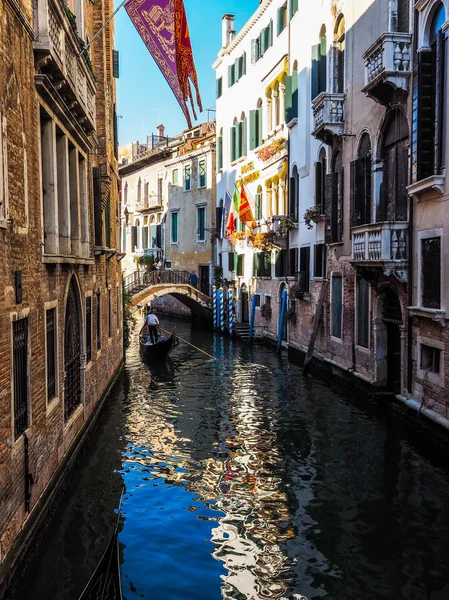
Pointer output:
x,y
144,98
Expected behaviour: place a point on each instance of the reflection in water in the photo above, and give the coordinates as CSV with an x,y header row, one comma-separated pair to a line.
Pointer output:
x,y
246,481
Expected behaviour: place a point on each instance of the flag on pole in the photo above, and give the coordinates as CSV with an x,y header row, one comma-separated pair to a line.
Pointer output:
x,y
162,25
245,212
226,213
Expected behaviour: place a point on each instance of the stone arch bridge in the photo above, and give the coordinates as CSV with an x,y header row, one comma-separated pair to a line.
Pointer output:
x,y
145,287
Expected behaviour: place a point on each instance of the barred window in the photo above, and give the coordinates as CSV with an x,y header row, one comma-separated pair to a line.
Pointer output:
x,y
98,319
20,375
51,353
88,329
431,272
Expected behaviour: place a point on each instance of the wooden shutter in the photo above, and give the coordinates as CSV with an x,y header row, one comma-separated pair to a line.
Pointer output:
x,y
328,207
341,199
334,207
98,213
245,137
266,264
252,129
230,75
220,152
258,207
280,20
431,272
322,77
315,71
231,261
280,263
293,262
304,266
244,63
439,82
255,50
219,87
319,200
262,42
259,126
115,64
240,264
232,137
158,236
288,99
423,116
238,140
270,34
133,238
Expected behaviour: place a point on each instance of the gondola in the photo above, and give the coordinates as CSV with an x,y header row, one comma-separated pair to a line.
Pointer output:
x,y
160,349
105,581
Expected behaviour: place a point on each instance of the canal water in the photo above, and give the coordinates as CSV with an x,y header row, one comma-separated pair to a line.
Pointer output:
x,y
243,479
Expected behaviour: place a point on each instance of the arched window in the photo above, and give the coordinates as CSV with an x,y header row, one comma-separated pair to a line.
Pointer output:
x,y
319,65
293,200
258,204
361,178
320,179
339,56
336,232
393,197
139,191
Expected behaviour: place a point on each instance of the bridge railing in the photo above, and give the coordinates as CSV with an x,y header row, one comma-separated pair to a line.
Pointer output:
x,y
140,280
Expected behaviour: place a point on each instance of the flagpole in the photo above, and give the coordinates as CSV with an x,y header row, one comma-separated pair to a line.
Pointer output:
x,y
101,28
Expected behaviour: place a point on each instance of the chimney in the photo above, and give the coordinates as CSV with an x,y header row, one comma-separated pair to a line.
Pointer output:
x,y
161,130
227,29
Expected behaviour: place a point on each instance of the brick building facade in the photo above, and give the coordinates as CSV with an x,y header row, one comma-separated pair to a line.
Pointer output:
x,y
60,306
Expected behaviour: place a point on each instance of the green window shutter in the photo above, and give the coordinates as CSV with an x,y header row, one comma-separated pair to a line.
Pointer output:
x,y
237,66
293,7
239,269
220,152
245,137
115,64
256,264
231,75
244,63
280,20
322,78
231,261
219,87
187,178
255,50
259,126
262,42
252,129
270,34
232,144
202,173
174,227
258,207
238,137
267,264
315,71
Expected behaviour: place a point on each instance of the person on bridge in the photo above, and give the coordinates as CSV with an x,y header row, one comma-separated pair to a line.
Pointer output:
x,y
153,323
158,266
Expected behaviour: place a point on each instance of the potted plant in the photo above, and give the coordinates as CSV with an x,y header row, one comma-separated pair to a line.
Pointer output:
x,y
263,241
310,215
285,225
266,311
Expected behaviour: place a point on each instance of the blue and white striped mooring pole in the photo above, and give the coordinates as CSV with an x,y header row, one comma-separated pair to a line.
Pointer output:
x,y
221,308
214,305
282,318
253,316
230,311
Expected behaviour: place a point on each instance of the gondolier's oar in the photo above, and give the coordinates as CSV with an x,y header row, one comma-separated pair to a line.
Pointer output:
x,y
196,348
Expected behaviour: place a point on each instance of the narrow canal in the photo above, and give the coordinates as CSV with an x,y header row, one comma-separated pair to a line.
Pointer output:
x,y
245,480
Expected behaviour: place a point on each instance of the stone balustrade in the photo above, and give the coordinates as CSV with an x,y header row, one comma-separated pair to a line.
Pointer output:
x,y
380,242
328,115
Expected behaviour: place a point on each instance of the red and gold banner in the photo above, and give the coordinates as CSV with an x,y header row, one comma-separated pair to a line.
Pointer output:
x,y
245,213
162,25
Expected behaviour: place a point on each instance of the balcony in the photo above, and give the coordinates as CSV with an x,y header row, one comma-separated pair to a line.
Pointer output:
x,y
387,68
383,245
328,116
63,78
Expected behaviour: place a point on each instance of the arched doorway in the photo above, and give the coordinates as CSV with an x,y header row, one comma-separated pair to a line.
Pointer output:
x,y
282,288
244,306
72,351
389,336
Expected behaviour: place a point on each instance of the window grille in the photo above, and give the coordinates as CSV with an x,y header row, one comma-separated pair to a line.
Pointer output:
x,y
98,299
51,353
88,329
20,375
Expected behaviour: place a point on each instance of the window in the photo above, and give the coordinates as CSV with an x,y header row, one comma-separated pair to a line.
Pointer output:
x,y
232,142
268,300
255,126
430,359
262,264
98,319
255,50
20,375
363,303
304,268
293,199
201,224
361,178
240,265
202,173
293,7
257,297
231,261
231,75
168,264
115,64
403,16
339,56
337,199
88,329
220,151
109,313
431,272
393,194
240,67
320,261
98,211
139,191
219,87
336,305
429,104
146,187
319,65
117,305
320,181
174,228
50,319
281,18
258,204
291,96
159,191
187,178
292,269
174,177
280,263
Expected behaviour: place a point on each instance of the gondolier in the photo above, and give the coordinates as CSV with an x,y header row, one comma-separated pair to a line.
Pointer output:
x,y
153,323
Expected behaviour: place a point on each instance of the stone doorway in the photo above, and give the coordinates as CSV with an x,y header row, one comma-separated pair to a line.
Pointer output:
x,y
72,352
389,343
244,306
